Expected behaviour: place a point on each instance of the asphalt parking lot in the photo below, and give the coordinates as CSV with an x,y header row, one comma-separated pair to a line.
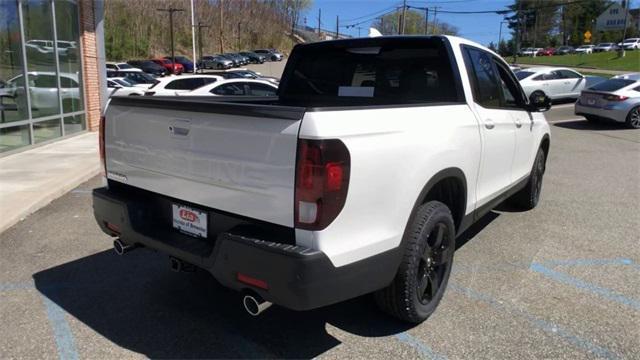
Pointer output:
x,y
559,282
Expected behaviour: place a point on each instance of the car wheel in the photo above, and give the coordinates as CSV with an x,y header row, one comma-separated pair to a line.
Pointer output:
x,y
424,271
633,118
529,196
536,94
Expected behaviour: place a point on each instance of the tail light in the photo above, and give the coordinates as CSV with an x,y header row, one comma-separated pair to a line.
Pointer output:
x,y
101,134
615,97
322,181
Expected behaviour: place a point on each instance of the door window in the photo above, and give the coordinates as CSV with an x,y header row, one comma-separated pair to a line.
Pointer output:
x,y
568,74
486,90
229,89
261,90
511,95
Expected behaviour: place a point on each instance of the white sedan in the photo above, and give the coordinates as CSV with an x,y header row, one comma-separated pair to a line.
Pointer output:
x,y
121,87
236,87
585,49
554,82
174,85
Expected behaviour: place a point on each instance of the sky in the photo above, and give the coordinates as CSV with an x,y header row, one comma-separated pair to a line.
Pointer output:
x,y
482,28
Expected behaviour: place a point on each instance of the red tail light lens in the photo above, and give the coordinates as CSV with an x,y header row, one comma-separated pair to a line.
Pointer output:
x,y
322,181
615,97
101,131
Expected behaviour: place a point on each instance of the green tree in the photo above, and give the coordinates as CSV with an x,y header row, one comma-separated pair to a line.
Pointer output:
x,y
414,24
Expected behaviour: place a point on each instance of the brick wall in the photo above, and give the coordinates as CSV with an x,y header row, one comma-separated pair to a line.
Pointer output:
x,y
90,63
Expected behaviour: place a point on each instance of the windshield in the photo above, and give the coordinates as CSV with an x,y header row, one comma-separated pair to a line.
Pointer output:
x,y
140,78
125,66
523,74
612,85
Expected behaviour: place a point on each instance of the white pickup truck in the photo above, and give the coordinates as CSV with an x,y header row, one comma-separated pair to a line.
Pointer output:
x,y
355,179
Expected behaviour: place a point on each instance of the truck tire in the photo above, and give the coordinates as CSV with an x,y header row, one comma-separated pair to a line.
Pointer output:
x,y
424,271
528,197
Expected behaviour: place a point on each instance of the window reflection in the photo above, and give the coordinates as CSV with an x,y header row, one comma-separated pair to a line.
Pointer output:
x,y
41,59
13,104
68,33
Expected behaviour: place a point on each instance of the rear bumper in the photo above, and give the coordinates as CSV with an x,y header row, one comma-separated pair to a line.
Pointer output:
x,y
610,113
298,278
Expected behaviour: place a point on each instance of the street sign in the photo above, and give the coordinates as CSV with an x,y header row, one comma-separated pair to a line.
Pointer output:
x,y
587,36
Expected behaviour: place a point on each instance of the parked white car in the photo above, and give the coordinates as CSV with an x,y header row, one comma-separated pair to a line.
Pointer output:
x,y
356,179
554,82
584,49
630,44
121,87
43,90
116,66
177,85
616,99
237,87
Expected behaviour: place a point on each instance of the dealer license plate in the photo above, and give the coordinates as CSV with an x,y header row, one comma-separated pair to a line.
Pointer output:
x,y
189,220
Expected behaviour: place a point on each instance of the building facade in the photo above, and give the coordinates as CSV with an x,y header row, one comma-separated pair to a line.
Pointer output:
x,y
613,18
49,78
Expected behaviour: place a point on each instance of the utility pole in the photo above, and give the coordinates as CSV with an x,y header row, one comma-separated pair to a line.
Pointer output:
x,y
426,20
221,27
500,35
625,7
171,10
319,20
516,42
238,39
337,27
200,27
564,28
435,20
193,35
404,14
382,24
359,27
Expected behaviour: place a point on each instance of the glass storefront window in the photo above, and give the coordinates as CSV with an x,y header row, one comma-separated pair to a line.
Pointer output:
x,y
14,137
69,55
46,33
41,58
73,124
13,102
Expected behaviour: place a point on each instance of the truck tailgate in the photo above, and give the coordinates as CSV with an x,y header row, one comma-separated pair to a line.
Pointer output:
x,y
235,157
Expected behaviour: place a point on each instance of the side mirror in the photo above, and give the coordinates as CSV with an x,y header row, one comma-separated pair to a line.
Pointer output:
x,y
539,103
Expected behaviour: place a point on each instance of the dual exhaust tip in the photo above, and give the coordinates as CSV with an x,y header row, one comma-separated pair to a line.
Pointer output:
x,y
253,303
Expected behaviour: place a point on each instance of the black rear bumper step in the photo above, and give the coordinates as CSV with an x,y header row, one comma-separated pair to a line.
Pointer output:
x,y
298,277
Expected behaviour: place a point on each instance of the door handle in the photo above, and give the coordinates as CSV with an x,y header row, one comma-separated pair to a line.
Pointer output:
x,y
488,123
518,123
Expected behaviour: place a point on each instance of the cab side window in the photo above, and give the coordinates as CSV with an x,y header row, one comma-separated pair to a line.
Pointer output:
x,y
511,95
486,88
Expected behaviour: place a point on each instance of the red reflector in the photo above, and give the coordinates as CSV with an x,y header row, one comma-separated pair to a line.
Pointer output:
x,y
252,281
113,227
334,176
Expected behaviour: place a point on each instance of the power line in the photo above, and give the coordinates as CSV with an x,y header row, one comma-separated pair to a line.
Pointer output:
x,y
372,14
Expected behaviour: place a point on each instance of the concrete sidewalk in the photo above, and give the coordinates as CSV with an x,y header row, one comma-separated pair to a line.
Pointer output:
x,y
32,179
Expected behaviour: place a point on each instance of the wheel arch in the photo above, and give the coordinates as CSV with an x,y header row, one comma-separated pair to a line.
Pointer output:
x,y
448,186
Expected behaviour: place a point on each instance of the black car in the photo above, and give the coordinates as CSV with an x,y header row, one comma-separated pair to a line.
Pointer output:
x,y
564,50
149,67
253,57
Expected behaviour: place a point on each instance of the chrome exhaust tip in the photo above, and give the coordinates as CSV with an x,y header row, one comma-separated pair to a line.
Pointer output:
x,y
255,304
121,248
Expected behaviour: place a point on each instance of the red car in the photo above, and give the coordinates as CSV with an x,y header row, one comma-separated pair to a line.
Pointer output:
x,y
546,52
167,64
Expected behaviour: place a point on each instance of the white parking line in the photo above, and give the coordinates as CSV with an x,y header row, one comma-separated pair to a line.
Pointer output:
x,y
563,106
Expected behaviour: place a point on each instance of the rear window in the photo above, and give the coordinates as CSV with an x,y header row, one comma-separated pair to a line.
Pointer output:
x,y
523,74
371,72
612,85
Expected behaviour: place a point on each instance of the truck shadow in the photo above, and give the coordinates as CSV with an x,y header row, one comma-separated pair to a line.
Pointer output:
x,y
136,302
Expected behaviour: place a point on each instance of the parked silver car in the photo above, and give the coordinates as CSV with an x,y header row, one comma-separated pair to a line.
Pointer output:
x,y
616,99
554,82
215,62
605,47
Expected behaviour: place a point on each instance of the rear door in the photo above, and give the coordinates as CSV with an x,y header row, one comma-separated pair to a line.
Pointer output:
x,y
496,125
238,158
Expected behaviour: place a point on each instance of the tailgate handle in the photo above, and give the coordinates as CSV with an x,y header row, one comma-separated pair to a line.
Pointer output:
x,y
180,128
